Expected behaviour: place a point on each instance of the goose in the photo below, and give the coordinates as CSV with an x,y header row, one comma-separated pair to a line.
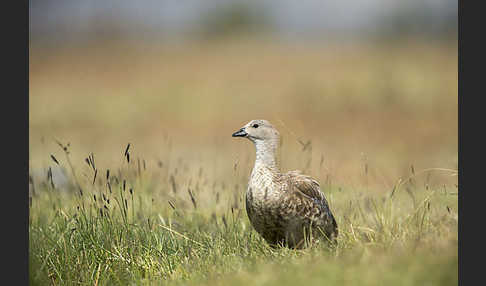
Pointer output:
x,y
287,209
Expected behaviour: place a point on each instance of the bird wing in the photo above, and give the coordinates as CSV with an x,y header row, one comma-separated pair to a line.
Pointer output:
x,y
306,193
305,185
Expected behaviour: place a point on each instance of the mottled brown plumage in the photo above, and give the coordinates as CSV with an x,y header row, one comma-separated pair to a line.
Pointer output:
x,y
284,208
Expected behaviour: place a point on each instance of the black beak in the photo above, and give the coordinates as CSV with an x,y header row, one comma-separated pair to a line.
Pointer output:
x,y
240,133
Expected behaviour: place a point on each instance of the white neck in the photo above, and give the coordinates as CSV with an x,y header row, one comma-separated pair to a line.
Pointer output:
x,y
266,154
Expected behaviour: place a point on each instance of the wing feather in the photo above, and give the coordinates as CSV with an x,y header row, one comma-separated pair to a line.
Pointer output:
x,y
305,184
314,203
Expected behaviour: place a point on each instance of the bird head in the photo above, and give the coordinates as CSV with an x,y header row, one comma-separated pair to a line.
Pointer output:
x,y
258,130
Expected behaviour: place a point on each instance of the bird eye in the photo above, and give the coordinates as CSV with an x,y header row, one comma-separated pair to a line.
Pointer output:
x,y
255,125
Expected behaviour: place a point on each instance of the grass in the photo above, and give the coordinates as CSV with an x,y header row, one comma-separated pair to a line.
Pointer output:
x,y
117,229
375,124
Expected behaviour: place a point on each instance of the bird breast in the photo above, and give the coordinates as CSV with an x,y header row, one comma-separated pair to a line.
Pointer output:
x,y
262,187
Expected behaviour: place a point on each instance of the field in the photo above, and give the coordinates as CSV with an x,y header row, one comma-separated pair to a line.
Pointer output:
x,y
135,178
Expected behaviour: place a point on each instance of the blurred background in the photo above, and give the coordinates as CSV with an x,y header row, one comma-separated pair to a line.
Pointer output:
x,y
360,90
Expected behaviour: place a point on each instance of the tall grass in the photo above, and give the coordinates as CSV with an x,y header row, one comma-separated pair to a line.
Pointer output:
x,y
117,229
